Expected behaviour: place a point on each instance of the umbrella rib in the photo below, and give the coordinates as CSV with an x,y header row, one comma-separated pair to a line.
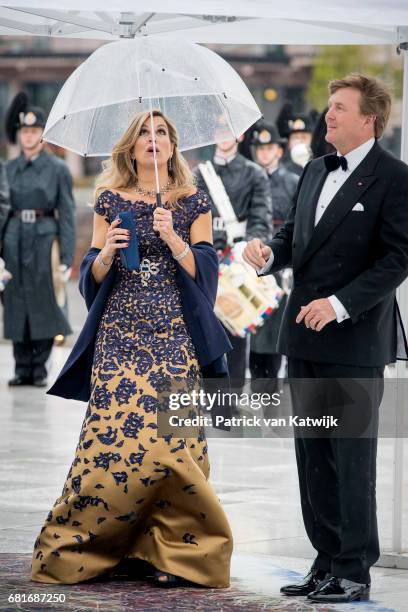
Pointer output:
x,y
77,151
227,112
90,131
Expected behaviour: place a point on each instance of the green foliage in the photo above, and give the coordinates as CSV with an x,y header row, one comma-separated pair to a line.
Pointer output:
x,y
335,61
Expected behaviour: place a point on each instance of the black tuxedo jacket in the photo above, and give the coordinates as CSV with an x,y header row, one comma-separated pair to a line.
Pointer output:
x,y
359,256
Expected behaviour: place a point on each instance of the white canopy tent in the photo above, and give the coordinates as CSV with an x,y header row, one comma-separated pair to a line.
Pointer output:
x,y
212,21
305,22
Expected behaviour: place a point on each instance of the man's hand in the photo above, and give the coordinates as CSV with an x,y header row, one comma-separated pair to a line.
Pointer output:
x,y
256,253
317,314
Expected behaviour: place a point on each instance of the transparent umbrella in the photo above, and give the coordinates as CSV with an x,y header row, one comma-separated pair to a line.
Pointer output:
x,y
192,85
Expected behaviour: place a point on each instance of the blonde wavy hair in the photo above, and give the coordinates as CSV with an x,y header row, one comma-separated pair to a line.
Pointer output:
x,y
119,171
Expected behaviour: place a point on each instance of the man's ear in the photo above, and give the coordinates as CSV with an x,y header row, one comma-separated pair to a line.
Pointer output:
x,y
370,119
241,138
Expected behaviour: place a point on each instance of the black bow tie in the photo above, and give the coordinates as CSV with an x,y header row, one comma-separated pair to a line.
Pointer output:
x,y
332,162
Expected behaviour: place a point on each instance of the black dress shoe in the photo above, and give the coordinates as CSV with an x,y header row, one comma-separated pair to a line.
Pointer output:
x,y
19,381
40,382
340,590
312,581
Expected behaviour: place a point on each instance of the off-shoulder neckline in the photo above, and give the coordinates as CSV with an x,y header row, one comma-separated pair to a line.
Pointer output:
x,y
152,204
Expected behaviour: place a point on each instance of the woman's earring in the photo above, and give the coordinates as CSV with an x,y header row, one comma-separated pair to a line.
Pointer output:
x,y
170,165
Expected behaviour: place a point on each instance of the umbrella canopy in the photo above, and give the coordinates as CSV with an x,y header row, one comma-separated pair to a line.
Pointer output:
x,y
193,86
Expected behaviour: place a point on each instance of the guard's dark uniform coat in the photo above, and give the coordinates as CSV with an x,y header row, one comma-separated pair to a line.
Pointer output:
x,y
247,187
43,184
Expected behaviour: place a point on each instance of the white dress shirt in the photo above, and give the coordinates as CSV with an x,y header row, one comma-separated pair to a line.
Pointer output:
x,y
332,184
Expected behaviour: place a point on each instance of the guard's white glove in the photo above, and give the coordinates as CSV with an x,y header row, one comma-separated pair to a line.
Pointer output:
x,y
5,275
237,251
65,272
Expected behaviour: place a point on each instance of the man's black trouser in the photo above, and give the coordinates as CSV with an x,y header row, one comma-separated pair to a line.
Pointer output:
x,y
264,368
237,361
337,475
31,355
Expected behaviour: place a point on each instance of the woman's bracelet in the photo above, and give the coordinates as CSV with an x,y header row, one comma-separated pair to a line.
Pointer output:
x,y
107,265
183,253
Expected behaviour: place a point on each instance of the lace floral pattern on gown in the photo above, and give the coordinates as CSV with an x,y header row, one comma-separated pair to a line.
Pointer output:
x,y
130,493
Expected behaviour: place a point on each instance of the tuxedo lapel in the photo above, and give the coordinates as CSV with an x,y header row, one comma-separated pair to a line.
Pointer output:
x,y
306,210
344,200
310,213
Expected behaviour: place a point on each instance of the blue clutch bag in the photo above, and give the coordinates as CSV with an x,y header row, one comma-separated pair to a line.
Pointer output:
x,y
130,255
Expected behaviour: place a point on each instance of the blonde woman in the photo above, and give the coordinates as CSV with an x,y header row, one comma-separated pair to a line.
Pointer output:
x,y
131,494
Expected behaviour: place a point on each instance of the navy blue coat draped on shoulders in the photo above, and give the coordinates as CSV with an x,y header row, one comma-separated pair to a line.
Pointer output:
x,y
197,300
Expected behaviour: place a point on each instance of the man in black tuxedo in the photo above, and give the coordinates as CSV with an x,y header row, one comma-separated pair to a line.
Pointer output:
x,y
346,238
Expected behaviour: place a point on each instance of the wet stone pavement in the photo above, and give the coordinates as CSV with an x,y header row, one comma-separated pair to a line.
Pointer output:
x,y
257,484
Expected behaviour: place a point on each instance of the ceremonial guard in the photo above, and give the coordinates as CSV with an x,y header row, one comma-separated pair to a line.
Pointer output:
x,y
238,188
38,244
268,149
298,130
245,145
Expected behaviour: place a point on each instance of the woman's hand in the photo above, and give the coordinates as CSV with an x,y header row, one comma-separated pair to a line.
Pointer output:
x,y
163,223
116,238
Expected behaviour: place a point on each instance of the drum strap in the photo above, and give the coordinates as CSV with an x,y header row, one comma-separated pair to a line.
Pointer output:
x,y
234,229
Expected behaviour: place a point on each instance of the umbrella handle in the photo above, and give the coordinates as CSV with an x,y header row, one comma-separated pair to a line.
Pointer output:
x,y
158,203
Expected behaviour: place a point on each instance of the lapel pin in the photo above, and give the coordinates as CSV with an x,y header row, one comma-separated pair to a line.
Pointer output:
x,y
359,183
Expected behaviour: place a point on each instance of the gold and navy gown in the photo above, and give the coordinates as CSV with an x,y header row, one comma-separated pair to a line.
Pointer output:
x,y
130,493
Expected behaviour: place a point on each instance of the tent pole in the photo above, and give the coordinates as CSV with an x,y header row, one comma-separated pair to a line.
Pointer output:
x,y
404,120
402,294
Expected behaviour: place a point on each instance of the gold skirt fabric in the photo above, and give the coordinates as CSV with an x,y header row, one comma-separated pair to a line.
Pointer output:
x,y
130,493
